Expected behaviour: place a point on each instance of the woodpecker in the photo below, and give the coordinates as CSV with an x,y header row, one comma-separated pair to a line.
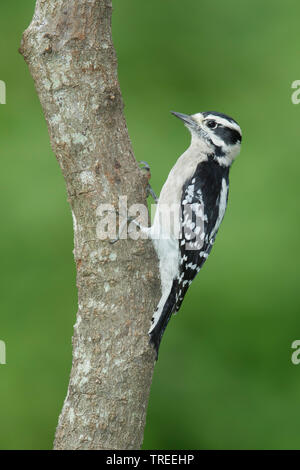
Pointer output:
x,y
190,209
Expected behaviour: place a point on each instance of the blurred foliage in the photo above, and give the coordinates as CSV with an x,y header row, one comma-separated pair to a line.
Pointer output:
x,y
224,378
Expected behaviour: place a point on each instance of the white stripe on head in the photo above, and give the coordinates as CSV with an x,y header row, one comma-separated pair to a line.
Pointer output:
x,y
224,122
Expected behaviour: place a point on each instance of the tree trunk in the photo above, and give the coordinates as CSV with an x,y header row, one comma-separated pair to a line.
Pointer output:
x,y
69,51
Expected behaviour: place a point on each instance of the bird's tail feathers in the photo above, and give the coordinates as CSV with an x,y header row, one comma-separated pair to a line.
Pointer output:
x,y
157,331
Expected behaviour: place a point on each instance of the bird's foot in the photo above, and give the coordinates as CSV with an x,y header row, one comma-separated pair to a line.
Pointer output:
x,y
145,166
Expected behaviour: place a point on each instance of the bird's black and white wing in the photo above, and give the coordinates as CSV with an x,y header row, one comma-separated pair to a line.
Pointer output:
x,y
201,214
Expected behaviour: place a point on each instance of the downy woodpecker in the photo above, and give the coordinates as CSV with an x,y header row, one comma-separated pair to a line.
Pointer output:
x,y
195,195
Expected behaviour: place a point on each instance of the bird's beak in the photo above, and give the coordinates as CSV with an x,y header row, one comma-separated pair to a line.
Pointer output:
x,y
185,118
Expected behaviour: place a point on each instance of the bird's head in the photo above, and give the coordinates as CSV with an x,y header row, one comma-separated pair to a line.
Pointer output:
x,y
219,132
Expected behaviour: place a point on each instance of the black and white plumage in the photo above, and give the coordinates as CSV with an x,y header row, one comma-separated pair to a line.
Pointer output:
x,y
196,194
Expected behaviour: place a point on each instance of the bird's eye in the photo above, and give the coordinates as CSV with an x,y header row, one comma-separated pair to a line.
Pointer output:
x,y
211,124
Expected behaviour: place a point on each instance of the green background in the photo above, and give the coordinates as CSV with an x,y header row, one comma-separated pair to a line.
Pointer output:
x,y
224,379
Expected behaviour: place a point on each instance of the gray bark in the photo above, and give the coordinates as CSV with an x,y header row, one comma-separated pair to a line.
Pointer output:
x,y
69,51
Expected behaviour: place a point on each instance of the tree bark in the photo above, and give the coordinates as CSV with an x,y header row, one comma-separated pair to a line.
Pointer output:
x,y
69,51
